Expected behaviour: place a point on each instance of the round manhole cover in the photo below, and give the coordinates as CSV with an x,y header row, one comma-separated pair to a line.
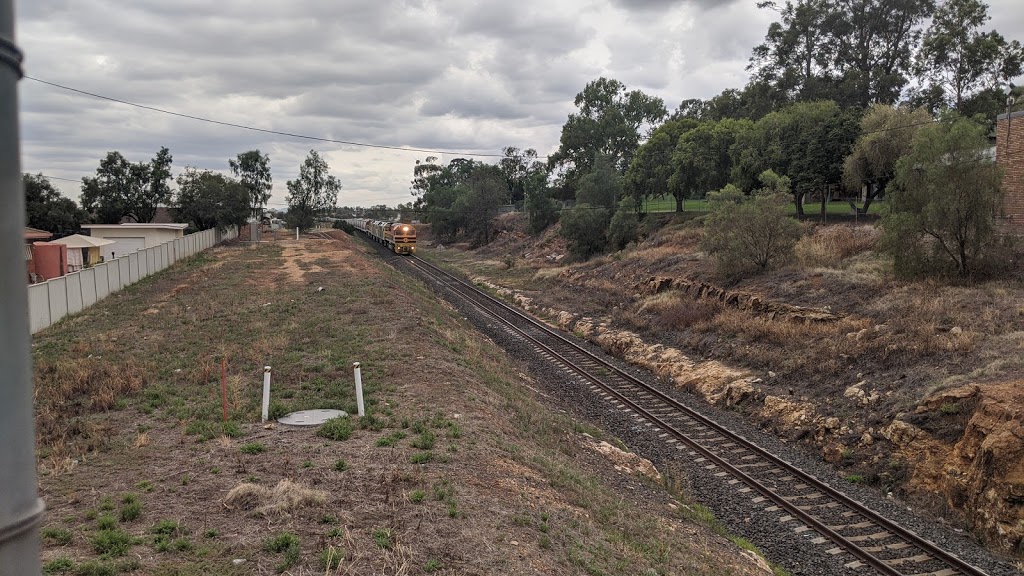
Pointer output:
x,y
310,417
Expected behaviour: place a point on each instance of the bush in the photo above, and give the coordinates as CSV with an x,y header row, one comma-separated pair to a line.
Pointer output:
x,y
625,225
344,227
750,234
584,227
339,428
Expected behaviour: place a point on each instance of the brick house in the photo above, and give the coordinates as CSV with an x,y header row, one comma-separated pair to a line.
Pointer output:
x,y
1010,157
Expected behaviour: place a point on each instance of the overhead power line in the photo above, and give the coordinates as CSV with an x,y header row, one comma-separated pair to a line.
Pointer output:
x,y
263,130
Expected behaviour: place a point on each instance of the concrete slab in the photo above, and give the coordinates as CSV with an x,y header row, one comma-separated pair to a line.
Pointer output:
x,y
310,417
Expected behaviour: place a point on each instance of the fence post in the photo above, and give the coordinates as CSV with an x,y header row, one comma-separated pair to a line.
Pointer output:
x,y
266,392
359,389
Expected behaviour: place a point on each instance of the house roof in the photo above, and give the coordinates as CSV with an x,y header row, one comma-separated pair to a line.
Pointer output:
x,y
161,216
35,234
80,241
136,226
1014,115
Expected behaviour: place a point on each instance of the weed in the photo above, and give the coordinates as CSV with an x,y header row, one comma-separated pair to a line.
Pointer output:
x,y
417,496
59,536
107,503
307,464
443,491
950,408
95,568
112,543
340,465
286,543
59,565
453,509
200,428
854,479
421,457
371,422
106,522
454,431
432,565
545,542
181,545
186,480
384,538
330,558
334,533
145,486
328,519
91,514
211,533
276,410
215,470
253,448
391,439
131,508
167,528
339,428
425,441
231,429
419,426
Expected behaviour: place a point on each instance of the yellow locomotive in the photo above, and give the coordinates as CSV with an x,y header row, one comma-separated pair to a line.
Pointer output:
x,y
397,236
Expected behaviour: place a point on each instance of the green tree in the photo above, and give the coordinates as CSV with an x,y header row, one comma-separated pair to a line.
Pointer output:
x,y
702,160
602,186
941,209
609,121
751,234
252,169
540,206
313,193
957,59
887,134
482,196
649,172
624,226
121,189
585,229
807,142
208,200
46,209
517,166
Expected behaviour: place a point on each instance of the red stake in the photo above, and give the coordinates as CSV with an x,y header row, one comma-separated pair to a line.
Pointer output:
x,y
224,386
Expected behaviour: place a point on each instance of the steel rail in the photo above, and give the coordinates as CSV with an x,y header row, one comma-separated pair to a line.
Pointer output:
x,y
922,544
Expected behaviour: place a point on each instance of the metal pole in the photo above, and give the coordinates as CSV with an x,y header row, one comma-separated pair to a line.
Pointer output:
x,y
359,389
21,510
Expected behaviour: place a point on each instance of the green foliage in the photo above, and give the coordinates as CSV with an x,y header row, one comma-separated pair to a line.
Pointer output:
x,y
432,565
701,161
625,225
421,457
339,428
106,522
330,558
887,134
252,448
584,227
424,441
384,537
312,194
602,186
417,496
747,234
207,199
340,465
286,543
344,227
391,439
59,565
276,410
609,120
521,169
122,189
112,543
46,209
463,196
252,169
942,207
651,168
59,536
957,59
806,142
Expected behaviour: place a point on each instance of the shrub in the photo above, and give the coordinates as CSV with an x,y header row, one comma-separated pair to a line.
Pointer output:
x,y
748,234
584,227
339,428
59,565
625,225
287,543
344,227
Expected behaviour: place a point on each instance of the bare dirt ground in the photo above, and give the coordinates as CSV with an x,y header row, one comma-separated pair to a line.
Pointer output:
x,y
456,469
832,351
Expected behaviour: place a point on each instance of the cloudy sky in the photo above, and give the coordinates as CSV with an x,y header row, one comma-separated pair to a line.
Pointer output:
x,y
453,76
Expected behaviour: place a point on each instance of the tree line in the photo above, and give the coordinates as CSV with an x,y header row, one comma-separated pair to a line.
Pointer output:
x,y
844,96
123,191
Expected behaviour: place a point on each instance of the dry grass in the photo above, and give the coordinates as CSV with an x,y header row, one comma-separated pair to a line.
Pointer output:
x,y
282,500
68,388
829,246
675,311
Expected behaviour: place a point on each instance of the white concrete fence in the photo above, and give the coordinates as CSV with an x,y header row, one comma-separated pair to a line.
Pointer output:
x,y
50,301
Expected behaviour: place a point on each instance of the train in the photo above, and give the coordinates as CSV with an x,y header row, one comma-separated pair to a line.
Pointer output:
x,y
396,236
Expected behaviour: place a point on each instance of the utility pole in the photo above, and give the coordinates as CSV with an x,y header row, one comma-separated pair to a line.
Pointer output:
x,y
21,510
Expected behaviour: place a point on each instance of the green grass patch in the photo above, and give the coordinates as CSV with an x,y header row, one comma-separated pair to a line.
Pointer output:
x,y
339,429
253,448
384,537
58,536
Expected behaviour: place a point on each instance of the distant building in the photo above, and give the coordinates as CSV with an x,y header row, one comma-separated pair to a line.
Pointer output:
x,y
1010,157
131,237
33,235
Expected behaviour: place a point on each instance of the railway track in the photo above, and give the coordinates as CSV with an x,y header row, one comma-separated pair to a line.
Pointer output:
x,y
805,506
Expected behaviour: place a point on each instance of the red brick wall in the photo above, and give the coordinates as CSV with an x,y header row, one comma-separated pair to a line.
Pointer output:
x,y
1011,159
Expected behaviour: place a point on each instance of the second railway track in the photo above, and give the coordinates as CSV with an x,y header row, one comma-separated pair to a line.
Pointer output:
x,y
808,508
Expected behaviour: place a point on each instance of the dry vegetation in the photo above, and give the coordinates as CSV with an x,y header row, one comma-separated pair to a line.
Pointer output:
x,y
454,469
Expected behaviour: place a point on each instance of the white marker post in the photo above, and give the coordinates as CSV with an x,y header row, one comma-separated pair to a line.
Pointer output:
x,y
296,232
359,390
266,392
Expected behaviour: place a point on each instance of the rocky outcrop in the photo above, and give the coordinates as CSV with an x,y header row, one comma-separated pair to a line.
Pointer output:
x,y
735,299
981,475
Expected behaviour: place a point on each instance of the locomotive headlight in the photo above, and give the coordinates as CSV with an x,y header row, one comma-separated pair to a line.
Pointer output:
x,y
405,228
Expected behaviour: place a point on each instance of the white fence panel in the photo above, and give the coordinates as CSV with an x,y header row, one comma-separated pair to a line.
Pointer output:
x,y
179,248
103,279
88,277
38,307
74,292
143,263
58,288
164,253
149,255
124,273
133,269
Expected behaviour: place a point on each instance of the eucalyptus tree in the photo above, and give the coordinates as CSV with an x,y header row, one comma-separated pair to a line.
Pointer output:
x,y
313,193
122,189
252,169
